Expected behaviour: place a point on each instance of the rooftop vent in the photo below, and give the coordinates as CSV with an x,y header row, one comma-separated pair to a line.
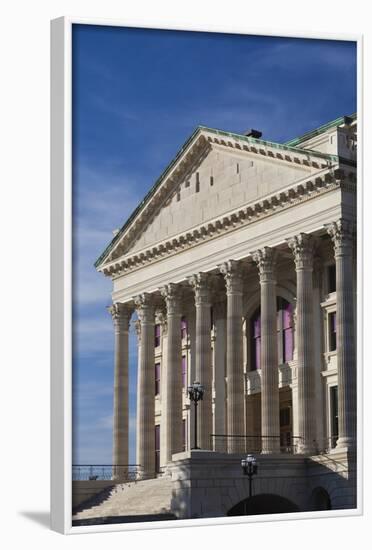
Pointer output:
x,y
348,120
253,133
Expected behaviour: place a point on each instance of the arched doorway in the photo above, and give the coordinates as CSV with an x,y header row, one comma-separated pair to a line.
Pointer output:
x,y
263,504
319,500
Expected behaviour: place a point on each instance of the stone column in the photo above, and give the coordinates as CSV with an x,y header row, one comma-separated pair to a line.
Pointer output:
x,y
121,314
270,428
219,374
146,387
203,355
302,247
341,233
173,403
234,354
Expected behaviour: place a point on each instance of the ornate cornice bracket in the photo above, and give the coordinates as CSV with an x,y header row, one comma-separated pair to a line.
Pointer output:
x,y
302,247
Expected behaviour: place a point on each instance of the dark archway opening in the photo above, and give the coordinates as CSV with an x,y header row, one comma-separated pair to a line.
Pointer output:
x,y
263,504
319,500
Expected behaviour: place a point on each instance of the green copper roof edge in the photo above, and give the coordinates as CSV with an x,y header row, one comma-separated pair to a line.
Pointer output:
x,y
272,144
321,129
333,158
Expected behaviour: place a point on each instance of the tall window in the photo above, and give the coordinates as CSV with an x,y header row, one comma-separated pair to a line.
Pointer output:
x,y
332,331
256,340
197,182
183,328
184,371
184,434
157,336
157,378
284,331
157,448
334,414
331,278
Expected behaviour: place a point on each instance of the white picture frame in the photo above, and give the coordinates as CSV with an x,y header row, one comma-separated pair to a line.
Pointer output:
x,y
61,292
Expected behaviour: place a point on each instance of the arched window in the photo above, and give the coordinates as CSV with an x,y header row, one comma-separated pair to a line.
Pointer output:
x,y
284,331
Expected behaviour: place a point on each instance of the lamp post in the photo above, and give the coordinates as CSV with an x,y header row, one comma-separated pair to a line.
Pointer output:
x,y
196,392
250,468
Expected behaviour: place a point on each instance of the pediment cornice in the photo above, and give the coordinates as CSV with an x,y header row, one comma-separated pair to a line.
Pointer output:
x,y
307,189
190,154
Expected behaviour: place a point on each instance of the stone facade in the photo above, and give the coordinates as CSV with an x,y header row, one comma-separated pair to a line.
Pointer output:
x,y
239,265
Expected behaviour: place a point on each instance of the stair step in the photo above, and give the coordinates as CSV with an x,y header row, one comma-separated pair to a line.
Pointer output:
x,y
151,497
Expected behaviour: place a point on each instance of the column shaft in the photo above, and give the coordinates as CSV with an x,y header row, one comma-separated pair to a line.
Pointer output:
x,y
265,258
234,355
120,314
342,236
203,356
146,387
173,404
219,363
302,248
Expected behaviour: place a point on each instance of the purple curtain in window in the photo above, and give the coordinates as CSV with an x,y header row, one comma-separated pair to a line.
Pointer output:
x,y
288,344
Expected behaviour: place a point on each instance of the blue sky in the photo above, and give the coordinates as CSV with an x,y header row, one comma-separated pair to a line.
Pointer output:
x,y
137,96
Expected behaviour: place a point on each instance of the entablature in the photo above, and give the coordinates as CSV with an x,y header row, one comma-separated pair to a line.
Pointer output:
x,y
304,190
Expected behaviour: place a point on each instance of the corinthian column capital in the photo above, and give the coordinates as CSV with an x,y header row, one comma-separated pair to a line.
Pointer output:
x,y
265,259
233,275
342,233
302,246
145,307
121,314
200,282
172,294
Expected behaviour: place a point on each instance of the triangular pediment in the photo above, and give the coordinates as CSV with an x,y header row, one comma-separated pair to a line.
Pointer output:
x,y
214,174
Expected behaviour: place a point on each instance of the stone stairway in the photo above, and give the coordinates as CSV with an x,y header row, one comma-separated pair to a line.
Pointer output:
x,y
142,498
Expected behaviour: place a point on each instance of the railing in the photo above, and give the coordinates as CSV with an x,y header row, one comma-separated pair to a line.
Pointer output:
x,y
254,443
95,472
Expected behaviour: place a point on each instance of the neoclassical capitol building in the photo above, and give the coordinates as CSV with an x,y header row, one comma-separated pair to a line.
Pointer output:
x,y
238,270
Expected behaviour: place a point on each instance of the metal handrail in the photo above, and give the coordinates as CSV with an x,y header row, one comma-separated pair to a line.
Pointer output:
x,y
95,472
252,443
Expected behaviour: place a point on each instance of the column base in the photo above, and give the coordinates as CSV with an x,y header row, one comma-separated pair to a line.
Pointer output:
x,y
345,444
306,450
